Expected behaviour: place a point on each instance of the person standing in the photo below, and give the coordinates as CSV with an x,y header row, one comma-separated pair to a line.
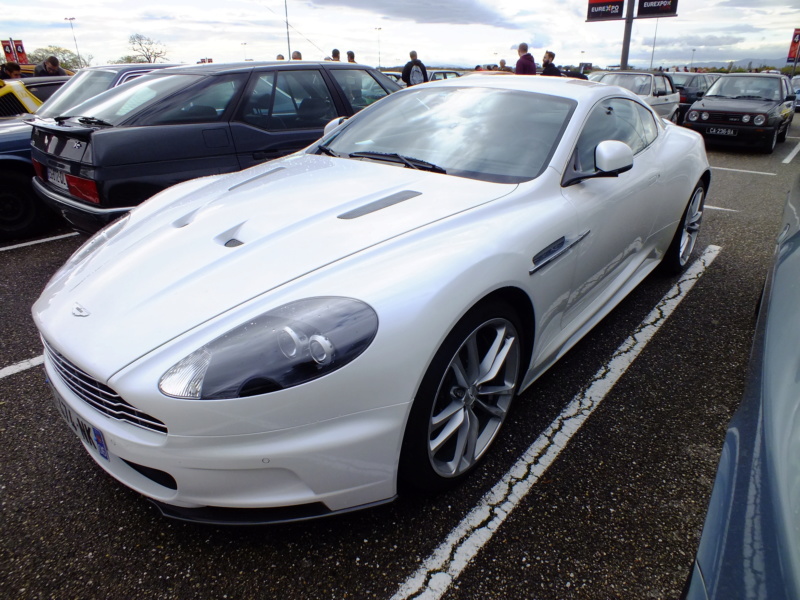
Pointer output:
x,y
296,55
335,55
49,66
548,68
504,67
414,72
525,64
351,56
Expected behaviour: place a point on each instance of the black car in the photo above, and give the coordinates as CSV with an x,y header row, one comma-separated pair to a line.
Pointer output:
x,y
745,109
118,149
750,547
21,211
692,87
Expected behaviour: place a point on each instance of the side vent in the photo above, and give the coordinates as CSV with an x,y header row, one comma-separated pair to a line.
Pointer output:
x,y
377,205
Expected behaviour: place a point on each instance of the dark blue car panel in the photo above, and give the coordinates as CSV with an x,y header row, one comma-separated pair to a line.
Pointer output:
x,y
750,546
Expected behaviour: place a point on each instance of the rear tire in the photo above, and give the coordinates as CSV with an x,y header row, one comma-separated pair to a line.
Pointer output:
x,y
680,249
22,213
463,399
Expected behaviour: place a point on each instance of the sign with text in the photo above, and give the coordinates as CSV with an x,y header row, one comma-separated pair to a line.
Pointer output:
x,y
605,10
657,8
794,48
19,49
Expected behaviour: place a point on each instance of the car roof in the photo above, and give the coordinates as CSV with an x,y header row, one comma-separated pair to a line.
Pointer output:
x,y
763,75
121,68
243,67
581,90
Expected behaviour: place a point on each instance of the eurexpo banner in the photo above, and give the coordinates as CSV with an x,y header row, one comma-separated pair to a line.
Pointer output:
x,y
657,8
794,48
604,10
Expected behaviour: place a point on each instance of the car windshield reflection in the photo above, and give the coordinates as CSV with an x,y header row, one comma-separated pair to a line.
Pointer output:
x,y
471,133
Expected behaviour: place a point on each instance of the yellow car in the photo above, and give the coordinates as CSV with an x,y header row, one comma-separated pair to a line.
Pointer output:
x,y
19,96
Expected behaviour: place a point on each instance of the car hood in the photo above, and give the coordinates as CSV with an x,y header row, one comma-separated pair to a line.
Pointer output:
x,y
733,105
200,248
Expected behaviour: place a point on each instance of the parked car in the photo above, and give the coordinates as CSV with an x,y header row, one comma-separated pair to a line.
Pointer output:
x,y
797,97
395,76
21,211
115,151
436,75
25,96
313,334
745,109
656,89
749,547
691,87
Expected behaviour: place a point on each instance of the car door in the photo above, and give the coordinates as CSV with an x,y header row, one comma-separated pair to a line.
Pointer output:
x,y
282,111
616,213
665,98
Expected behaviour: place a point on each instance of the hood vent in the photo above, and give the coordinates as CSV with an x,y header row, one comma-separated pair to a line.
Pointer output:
x,y
380,204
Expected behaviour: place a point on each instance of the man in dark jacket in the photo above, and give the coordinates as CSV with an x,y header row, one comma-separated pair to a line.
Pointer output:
x,y
414,72
50,66
548,68
525,64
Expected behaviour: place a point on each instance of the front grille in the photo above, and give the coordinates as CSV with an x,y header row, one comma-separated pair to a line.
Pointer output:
x,y
10,105
719,117
99,395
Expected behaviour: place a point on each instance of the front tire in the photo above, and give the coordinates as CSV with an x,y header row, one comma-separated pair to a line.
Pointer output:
x,y
21,212
463,399
680,249
769,145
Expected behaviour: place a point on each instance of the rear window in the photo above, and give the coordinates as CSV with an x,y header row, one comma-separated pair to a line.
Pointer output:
x,y
120,104
84,85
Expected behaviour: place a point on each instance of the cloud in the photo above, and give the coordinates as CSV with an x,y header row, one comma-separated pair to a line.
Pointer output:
x,y
451,12
698,41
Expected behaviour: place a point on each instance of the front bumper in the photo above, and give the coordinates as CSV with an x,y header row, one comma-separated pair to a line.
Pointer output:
x,y
298,473
83,217
740,136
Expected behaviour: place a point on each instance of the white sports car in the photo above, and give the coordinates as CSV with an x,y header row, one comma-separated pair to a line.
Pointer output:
x,y
312,334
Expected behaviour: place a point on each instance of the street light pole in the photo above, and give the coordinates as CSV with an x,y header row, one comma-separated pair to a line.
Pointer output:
x,y
245,50
71,19
378,29
691,64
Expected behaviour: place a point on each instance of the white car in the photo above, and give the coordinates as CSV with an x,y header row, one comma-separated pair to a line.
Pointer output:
x,y
657,89
312,334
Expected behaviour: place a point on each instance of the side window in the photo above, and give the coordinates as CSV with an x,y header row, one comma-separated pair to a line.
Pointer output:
x,y
649,127
661,85
204,105
612,119
359,87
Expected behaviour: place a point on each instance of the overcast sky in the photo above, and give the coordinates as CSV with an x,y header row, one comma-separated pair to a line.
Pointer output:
x,y
443,32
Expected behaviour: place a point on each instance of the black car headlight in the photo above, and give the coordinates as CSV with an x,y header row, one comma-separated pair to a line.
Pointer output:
x,y
759,120
693,114
292,344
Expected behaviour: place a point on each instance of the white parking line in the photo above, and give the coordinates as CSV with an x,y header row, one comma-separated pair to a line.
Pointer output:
x,y
743,171
792,154
718,208
447,562
21,366
33,243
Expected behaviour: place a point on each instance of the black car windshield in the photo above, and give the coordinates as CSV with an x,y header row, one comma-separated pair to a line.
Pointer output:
x,y
742,86
118,104
81,87
502,136
638,84
681,78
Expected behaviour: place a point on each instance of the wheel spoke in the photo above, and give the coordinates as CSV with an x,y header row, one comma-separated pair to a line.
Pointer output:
x,y
491,409
473,358
452,427
447,413
462,377
498,360
471,430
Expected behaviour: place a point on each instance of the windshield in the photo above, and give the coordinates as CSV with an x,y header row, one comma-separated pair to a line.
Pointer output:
x,y
680,78
82,86
756,88
493,135
638,84
118,104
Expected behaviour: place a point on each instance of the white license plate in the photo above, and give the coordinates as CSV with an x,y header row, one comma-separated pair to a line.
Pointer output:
x,y
90,434
721,131
57,178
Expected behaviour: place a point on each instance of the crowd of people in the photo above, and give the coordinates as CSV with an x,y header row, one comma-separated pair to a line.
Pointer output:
x,y
49,66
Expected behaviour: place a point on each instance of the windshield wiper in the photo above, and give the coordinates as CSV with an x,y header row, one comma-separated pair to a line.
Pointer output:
x,y
750,97
323,149
716,96
411,163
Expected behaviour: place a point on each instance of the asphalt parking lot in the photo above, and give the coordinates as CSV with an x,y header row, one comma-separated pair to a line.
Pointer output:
x,y
615,511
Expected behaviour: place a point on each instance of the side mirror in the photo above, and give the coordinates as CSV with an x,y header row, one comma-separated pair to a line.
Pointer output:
x,y
700,94
333,125
612,158
791,97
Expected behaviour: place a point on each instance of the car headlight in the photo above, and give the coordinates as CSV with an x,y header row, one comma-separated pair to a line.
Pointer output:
x,y
292,344
745,118
693,114
704,116
760,120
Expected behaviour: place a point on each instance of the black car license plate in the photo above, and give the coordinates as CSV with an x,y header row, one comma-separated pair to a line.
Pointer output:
x,y
57,178
722,131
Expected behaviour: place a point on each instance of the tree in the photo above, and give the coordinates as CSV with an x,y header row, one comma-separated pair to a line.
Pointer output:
x,y
146,49
66,58
129,58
